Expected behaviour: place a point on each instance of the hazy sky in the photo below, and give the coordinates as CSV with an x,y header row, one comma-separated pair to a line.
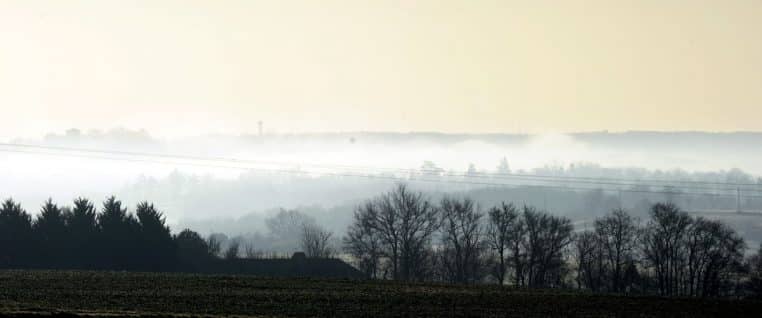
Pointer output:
x,y
191,67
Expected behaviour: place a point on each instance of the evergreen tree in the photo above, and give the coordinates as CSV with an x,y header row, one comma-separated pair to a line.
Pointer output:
x,y
192,251
81,232
156,244
118,232
16,239
50,231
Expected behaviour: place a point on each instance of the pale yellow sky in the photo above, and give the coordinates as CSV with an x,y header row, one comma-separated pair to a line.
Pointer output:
x,y
190,67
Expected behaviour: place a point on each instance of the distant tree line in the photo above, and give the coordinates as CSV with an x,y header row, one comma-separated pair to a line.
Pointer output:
x,y
109,237
401,235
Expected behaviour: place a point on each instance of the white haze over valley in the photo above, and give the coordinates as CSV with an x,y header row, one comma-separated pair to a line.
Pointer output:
x,y
257,174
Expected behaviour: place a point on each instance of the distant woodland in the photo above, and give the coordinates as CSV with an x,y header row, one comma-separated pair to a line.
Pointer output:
x,y
406,235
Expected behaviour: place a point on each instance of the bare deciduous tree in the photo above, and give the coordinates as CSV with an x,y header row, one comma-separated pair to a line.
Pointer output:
x,y
547,237
286,227
461,239
754,264
690,257
363,242
407,220
714,252
617,235
502,229
214,243
250,251
404,222
663,246
588,254
232,251
314,241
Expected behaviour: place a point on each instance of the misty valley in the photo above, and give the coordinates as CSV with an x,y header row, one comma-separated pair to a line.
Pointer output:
x,y
565,225
380,158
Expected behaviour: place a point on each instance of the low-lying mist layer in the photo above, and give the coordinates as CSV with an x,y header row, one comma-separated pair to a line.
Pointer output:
x,y
206,180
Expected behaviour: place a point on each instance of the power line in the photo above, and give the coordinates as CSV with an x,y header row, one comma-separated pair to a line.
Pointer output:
x,y
532,177
399,170
381,177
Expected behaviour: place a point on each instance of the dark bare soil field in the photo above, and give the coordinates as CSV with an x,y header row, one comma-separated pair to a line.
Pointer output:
x,y
86,293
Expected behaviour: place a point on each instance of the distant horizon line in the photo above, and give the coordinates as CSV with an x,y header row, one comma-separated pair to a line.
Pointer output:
x,y
147,132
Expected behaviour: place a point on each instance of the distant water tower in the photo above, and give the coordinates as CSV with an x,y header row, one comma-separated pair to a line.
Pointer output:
x,y
259,123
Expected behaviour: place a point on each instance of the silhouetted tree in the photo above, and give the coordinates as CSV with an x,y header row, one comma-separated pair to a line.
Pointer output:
x,y
547,237
50,230
754,264
82,232
503,233
617,235
405,222
233,249
314,241
664,246
518,253
157,247
214,243
250,251
16,239
690,257
714,255
118,234
589,256
461,240
286,228
363,242
193,253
